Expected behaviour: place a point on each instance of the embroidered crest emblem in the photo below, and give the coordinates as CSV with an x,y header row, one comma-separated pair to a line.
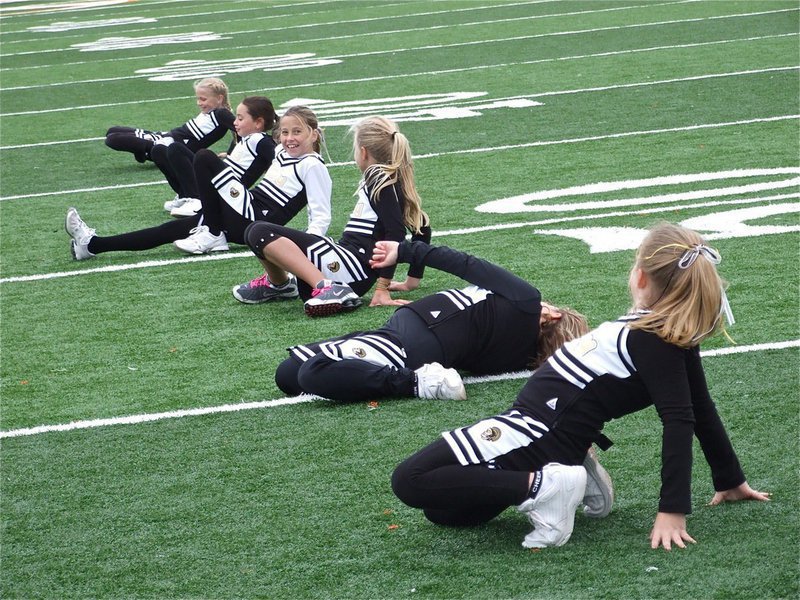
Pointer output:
x,y
334,267
359,352
492,434
235,193
280,180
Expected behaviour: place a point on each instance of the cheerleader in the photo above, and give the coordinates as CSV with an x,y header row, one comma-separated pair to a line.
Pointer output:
x,y
497,324
214,120
530,456
228,207
331,276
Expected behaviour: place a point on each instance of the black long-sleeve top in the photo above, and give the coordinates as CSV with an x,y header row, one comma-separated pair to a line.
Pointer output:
x,y
491,326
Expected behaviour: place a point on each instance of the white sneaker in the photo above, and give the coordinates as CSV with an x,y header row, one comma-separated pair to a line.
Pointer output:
x,y
174,203
436,382
552,511
188,208
80,233
599,496
201,241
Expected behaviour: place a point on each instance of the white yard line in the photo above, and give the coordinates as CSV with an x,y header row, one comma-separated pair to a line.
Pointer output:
x,y
436,234
415,49
229,408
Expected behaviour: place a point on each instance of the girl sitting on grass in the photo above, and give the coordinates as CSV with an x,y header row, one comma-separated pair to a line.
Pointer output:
x,y
331,277
297,177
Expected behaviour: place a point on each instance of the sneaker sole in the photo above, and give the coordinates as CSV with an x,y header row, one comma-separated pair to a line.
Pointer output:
x,y
198,253
596,472
333,308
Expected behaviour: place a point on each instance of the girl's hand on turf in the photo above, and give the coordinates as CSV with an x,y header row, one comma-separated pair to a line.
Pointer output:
x,y
742,492
668,529
384,298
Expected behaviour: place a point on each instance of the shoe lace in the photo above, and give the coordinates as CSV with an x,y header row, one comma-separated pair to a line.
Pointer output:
x,y
317,291
262,281
197,230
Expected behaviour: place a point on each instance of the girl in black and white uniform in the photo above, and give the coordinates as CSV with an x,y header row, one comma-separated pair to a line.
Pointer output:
x,y
213,122
529,456
496,325
332,276
228,206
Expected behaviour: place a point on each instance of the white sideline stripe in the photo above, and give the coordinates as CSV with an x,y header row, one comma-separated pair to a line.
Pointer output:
x,y
604,88
594,138
436,234
305,398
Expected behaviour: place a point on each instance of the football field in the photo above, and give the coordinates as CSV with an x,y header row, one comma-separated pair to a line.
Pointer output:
x,y
145,450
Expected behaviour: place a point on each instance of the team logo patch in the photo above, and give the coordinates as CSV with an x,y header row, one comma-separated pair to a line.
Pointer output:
x,y
234,193
334,267
280,180
360,352
492,434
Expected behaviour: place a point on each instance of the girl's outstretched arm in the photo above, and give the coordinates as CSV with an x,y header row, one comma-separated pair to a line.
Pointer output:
x,y
740,492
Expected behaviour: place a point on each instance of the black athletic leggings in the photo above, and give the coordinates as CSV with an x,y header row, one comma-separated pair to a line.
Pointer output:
x,y
124,139
216,214
353,380
454,495
176,162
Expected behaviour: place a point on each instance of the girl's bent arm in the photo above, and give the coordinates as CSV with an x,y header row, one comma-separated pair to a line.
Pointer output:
x,y
318,191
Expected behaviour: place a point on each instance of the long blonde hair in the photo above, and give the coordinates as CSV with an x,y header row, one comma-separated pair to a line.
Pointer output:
x,y
683,276
392,153
555,333
217,87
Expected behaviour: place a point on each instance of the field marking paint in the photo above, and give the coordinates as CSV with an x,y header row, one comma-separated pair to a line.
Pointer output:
x,y
467,69
266,31
45,9
518,204
465,151
305,398
415,49
278,16
436,234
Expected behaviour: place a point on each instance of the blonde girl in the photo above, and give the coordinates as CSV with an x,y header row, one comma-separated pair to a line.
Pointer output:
x,y
208,127
331,277
531,455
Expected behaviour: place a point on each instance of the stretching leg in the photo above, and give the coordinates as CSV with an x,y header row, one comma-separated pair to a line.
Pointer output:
x,y
144,239
454,495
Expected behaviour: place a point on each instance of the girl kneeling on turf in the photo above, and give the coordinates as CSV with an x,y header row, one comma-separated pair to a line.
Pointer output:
x,y
529,456
331,277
